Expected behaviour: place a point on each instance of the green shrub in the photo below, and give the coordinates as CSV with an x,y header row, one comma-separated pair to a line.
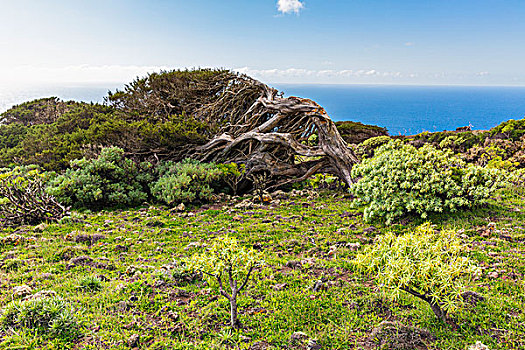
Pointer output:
x,y
51,133
226,263
512,129
184,182
90,284
232,174
52,316
425,263
368,146
401,179
108,181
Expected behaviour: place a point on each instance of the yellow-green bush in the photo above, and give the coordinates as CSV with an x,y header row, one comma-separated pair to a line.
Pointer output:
x,y
401,179
427,264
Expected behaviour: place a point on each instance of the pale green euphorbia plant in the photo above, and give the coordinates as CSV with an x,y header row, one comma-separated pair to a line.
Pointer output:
x,y
426,263
226,263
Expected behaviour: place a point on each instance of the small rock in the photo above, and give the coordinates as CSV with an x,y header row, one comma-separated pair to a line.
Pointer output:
x,y
41,227
312,345
353,246
22,291
42,294
260,345
280,286
298,337
133,341
396,336
181,207
478,346
245,204
493,274
472,298
79,261
46,276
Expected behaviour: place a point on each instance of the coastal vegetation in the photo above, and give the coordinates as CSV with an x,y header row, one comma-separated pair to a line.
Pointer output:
x,y
201,209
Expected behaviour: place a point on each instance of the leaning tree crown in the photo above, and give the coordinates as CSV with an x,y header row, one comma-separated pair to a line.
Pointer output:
x,y
249,123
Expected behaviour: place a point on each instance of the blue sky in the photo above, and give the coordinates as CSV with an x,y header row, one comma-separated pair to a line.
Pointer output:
x,y
296,41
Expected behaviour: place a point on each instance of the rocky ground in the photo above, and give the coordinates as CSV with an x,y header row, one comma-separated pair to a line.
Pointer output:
x,y
120,272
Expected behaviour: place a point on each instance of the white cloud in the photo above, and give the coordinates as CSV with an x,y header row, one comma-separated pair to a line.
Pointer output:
x,y
409,43
289,6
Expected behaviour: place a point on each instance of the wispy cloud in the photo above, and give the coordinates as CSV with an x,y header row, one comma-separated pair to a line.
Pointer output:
x,y
308,73
409,43
289,6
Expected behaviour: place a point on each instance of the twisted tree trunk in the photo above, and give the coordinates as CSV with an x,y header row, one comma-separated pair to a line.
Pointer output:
x,y
274,136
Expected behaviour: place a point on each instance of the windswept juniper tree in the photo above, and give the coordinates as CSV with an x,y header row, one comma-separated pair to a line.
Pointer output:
x,y
247,122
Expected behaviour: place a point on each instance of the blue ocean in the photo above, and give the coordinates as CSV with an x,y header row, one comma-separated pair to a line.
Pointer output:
x,y
401,109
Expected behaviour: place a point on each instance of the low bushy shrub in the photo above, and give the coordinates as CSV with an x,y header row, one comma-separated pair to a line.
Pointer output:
x,y
185,182
367,147
52,316
90,284
512,129
426,263
401,179
107,181
232,174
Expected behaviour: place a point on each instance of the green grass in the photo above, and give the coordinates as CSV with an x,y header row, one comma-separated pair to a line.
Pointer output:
x,y
118,287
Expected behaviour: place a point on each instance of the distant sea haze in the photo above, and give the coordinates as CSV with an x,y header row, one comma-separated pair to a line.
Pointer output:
x,y
401,109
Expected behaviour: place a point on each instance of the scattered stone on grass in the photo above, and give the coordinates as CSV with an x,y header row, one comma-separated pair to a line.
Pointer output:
x,y
302,341
42,294
22,291
396,336
89,239
133,341
260,345
472,298
41,227
478,346
45,276
280,286
353,246
294,264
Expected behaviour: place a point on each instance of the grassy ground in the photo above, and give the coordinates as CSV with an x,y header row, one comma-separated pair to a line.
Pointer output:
x,y
303,240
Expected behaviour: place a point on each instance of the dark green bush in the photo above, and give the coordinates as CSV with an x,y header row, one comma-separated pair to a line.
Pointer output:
x,y
185,182
108,181
512,129
52,133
